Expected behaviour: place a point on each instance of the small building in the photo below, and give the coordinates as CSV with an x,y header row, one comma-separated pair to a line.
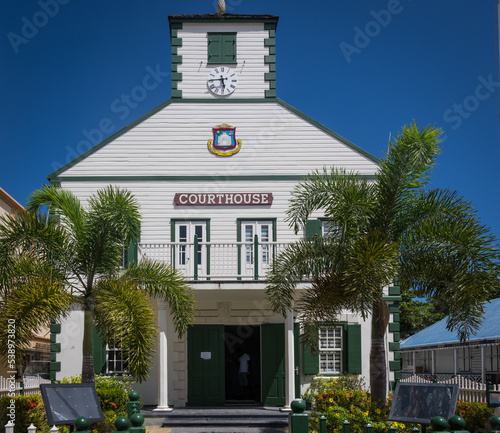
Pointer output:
x,y
213,168
39,347
437,353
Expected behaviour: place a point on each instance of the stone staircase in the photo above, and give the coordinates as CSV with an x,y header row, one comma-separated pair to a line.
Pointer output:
x,y
227,419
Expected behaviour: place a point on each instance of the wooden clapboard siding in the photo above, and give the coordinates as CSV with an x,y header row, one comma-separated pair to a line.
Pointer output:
x,y
250,65
173,142
157,208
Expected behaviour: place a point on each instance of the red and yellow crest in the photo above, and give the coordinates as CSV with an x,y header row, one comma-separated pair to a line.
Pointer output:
x,y
224,142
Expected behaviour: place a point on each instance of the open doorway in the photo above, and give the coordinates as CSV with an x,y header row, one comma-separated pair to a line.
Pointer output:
x,y
238,341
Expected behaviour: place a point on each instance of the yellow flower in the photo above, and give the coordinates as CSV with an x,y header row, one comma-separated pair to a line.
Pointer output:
x,y
378,411
365,413
330,409
396,424
317,420
337,415
331,400
402,425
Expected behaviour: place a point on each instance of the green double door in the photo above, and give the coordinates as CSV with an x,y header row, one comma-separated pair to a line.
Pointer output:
x,y
206,365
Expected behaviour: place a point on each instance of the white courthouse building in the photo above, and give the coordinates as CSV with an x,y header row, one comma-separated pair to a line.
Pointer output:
x,y
212,169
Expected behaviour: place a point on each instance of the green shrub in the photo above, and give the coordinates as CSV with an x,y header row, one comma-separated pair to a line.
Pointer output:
x,y
113,397
29,409
344,398
475,414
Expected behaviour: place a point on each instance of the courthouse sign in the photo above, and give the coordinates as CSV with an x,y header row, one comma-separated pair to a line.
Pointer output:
x,y
224,199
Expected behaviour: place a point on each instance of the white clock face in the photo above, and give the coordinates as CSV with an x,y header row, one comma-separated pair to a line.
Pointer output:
x,y
222,81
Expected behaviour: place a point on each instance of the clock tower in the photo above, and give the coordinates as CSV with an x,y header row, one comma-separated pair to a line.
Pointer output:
x,y
220,57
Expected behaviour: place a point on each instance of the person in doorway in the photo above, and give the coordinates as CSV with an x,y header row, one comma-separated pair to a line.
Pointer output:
x,y
244,360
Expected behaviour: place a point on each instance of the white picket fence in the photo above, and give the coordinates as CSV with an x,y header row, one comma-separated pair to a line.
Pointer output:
x,y
469,390
9,428
9,386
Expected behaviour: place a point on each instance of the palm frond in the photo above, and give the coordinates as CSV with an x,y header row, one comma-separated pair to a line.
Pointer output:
x,y
162,282
123,314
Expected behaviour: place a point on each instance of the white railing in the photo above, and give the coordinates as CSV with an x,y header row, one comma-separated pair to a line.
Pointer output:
x,y
9,428
470,389
211,261
32,386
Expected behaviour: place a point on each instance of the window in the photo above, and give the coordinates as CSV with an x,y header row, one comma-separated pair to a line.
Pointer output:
x,y
330,350
221,48
186,259
463,359
116,359
492,355
339,350
264,230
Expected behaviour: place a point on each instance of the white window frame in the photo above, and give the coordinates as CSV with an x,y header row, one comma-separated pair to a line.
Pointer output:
x,y
247,251
115,358
330,347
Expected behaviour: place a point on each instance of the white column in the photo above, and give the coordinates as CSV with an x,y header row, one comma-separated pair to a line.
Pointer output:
x,y
289,361
163,360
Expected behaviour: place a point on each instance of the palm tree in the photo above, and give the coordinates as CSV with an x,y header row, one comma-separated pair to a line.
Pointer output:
x,y
380,231
82,254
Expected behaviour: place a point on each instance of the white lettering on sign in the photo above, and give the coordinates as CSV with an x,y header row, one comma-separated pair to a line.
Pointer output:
x,y
224,199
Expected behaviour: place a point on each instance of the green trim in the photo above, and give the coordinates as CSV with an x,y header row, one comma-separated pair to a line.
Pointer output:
x,y
394,290
176,76
272,32
397,356
272,67
176,42
176,24
270,93
53,338
396,337
394,366
176,58
272,50
53,375
394,327
173,33
270,76
394,308
221,48
178,94
392,298
55,328
53,357
270,59
173,68
55,347
271,25
55,366
394,347
271,42
397,376
395,317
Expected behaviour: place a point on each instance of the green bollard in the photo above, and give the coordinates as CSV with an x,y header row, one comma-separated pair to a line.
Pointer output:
x,y
494,424
415,429
137,421
457,424
322,424
82,425
134,405
392,429
346,427
298,422
368,428
122,424
438,423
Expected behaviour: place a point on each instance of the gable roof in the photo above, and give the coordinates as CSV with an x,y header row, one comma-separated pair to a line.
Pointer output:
x,y
54,176
437,333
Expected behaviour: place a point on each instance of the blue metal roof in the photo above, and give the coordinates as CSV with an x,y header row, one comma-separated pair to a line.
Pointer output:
x,y
438,334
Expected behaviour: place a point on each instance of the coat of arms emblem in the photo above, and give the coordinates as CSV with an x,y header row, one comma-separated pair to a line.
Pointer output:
x,y
224,142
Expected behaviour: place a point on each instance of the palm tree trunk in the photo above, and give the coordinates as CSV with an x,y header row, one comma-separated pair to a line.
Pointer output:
x,y
88,348
378,366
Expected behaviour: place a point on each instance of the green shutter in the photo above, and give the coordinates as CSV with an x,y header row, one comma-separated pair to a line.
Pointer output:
x,y
354,348
132,252
221,48
99,353
313,227
214,51
228,48
311,361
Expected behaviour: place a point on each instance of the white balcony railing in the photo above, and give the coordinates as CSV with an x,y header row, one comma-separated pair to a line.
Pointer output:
x,y
213,261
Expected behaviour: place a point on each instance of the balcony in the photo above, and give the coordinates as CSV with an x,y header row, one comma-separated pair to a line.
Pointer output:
x,y
211,261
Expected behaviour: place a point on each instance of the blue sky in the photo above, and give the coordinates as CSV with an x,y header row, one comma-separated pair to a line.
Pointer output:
x,y
363,68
